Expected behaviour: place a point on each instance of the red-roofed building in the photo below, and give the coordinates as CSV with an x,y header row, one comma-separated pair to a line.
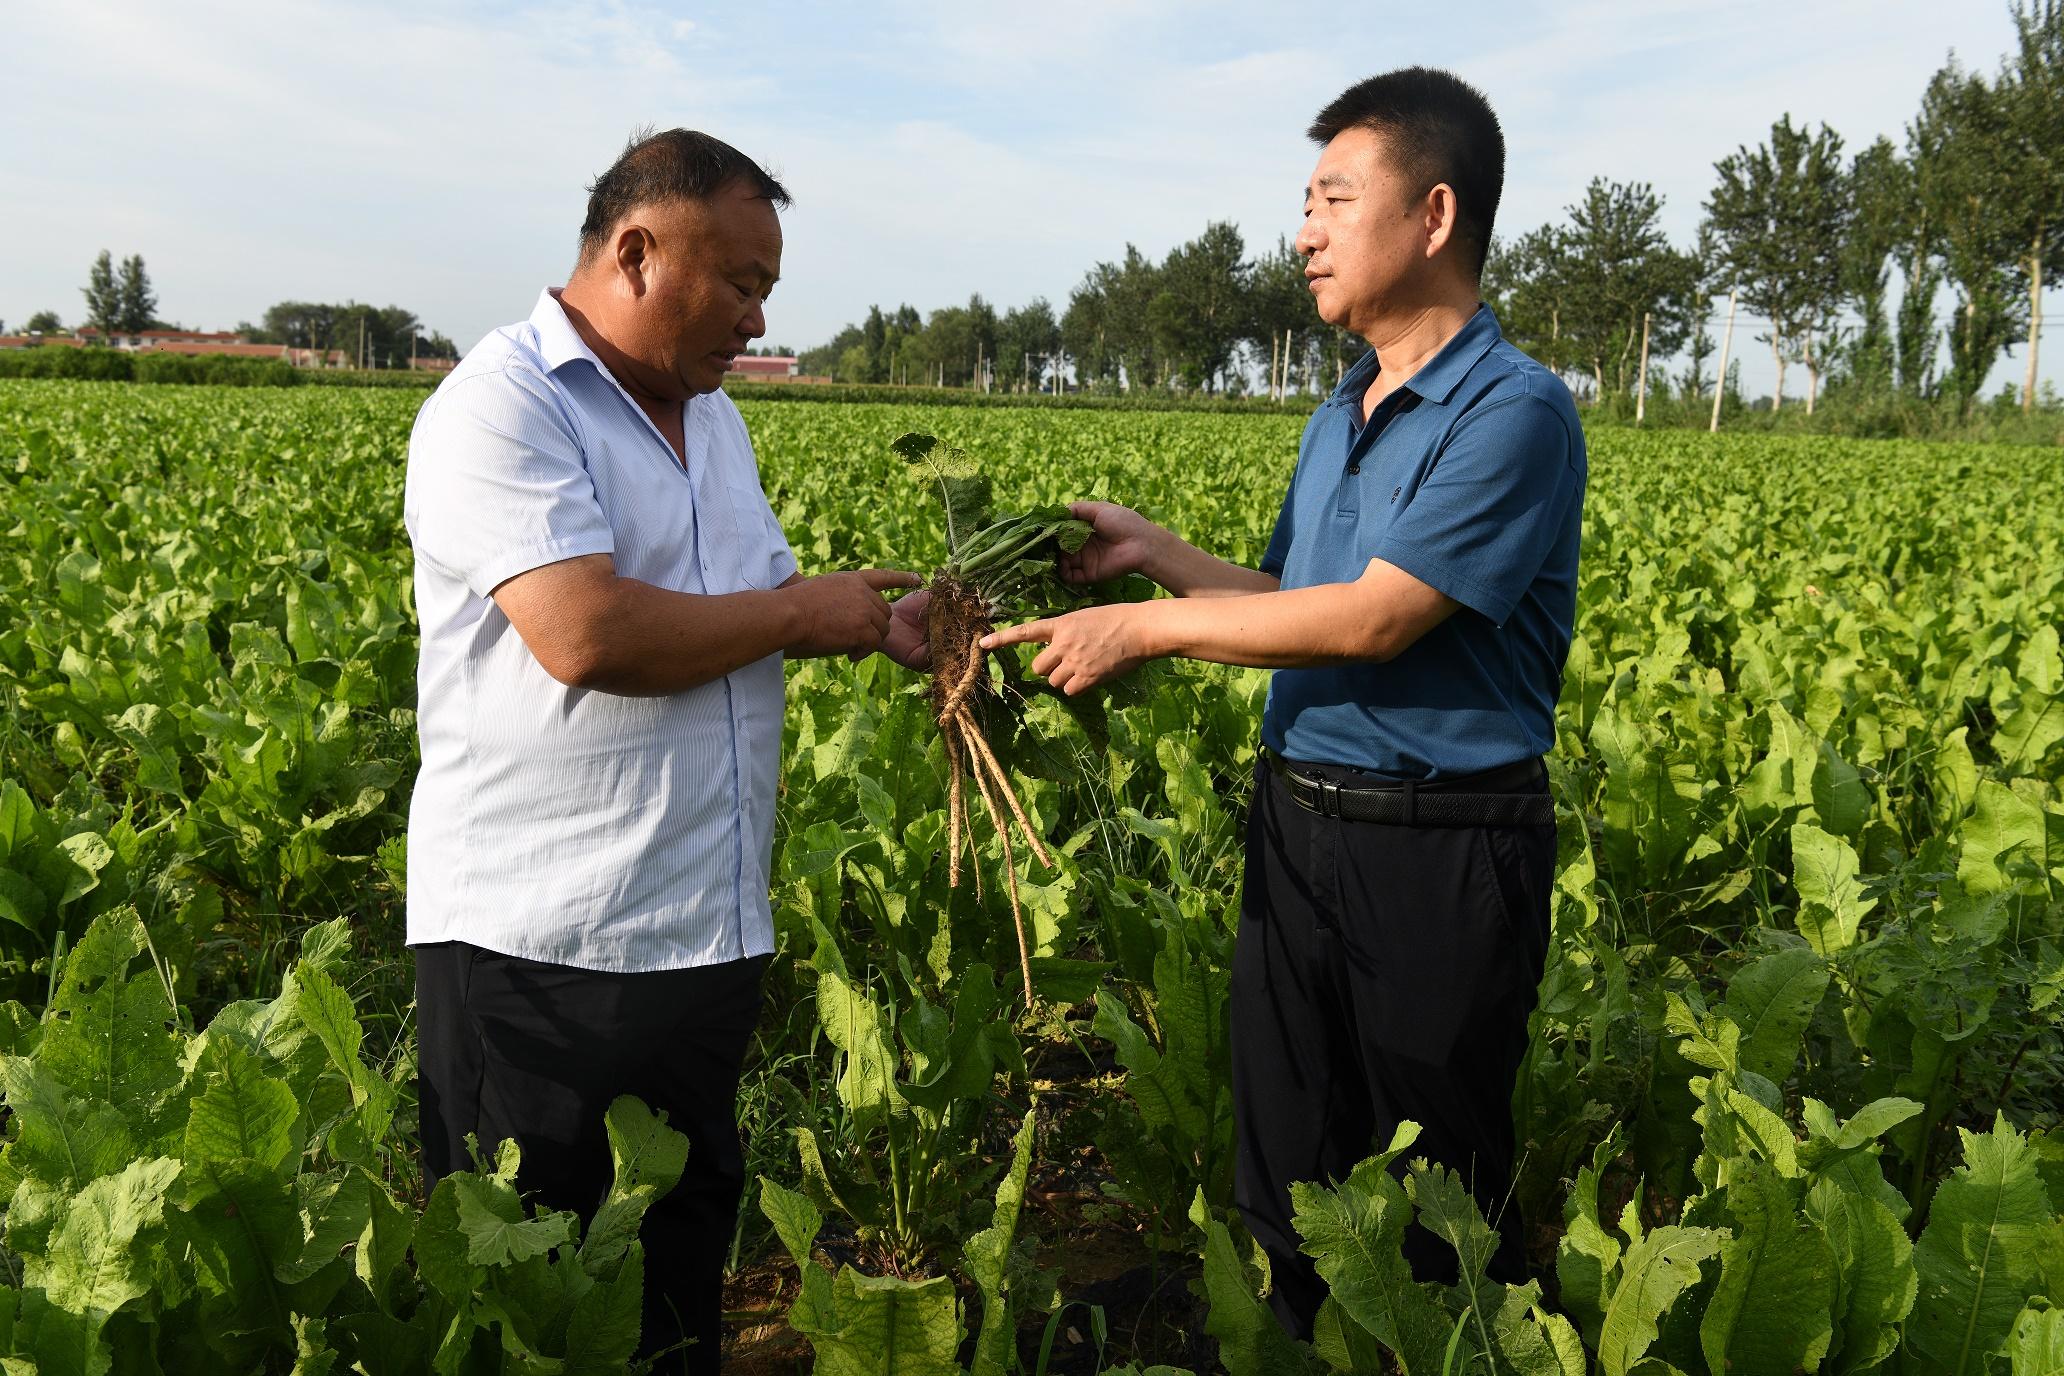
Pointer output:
x,y
37,341
756,368
146,339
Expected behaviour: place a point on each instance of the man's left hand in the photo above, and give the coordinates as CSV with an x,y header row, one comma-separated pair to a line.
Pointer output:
x,y
1083,648
906,642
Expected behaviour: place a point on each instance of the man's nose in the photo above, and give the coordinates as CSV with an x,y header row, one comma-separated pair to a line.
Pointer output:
x,y
1310,239
755,323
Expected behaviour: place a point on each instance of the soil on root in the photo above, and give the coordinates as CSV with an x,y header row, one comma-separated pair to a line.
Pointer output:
x,y
955,622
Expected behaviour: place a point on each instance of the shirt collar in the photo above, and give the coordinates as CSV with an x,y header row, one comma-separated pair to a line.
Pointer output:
x,y
558,342
1438,378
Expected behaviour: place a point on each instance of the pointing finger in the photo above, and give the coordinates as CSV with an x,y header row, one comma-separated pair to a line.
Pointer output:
x,y
882,579
1031,631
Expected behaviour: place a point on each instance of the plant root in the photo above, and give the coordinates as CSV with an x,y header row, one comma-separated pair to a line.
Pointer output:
x,y
956,621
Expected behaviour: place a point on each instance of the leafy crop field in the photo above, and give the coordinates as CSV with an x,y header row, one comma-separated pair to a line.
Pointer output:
x,y
1794,1095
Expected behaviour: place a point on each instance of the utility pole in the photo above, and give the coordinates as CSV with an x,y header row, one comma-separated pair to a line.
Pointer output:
x,y
2035,290
1726,343
1273,348
1641,384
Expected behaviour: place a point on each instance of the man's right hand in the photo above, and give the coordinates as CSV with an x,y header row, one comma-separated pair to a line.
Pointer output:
x,y
842,613
1124,542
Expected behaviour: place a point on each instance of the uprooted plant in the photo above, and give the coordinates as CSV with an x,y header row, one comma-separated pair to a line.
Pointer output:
x,y
993,568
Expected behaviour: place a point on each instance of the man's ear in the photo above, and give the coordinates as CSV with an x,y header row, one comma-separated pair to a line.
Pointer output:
x,y
633,253
1440,209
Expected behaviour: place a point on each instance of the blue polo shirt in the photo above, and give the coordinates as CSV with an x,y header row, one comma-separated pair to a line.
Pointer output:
x,y
1469,477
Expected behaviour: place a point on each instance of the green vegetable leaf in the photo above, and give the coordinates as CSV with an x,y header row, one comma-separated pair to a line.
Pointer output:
x,y
1770,1310
1978,1258
648,1157
1660,1266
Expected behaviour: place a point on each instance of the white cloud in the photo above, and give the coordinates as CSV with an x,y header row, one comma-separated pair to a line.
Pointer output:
x,y
436,155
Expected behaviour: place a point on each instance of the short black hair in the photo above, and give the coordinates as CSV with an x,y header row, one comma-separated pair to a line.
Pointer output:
x,y
677,164
1438,128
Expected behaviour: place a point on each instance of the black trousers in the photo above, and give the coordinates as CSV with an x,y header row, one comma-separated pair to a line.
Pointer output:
x,y
1381,973
518,1048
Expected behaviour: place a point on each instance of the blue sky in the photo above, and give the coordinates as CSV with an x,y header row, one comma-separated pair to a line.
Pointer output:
x,y
434,155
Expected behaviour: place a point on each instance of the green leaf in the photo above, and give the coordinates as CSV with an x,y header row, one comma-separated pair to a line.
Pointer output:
x,y
151,732
442,1250
1529,1340
241,1225
1772,999
1159,1089
1250,1341
58,1139
1447,1211
890,1327
602,1335
2005,832
853,1022
22,903
2025,739
1354,1233
1587,1258
99,1258
71,869
1839,798
1770,1311
1832,901
648,1157
987,1259
242,1113
335,1209
497,1233
2036,1346
17,820
796,1220
964,492
1874,1273
1659,1267
106,1035
1978,1257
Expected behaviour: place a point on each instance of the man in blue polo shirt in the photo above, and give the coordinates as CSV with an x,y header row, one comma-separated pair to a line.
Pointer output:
x,y
1417,602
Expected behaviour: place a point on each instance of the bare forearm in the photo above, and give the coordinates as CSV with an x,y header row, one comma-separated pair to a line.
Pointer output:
x,y
646,641
1300,629
1187,571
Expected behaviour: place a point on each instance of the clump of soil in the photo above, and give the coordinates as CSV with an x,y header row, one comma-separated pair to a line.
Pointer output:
x,y
955,622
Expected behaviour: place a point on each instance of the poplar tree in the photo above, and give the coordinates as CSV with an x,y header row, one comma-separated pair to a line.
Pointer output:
x,y
103,295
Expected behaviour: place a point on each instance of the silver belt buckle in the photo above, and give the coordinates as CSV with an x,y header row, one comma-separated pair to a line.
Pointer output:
x,y
1329,798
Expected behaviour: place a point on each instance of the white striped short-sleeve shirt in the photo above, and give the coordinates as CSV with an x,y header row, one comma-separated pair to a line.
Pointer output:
x,y
567,824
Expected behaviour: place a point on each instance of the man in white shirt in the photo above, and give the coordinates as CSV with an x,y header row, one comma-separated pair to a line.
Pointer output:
x,y
606,600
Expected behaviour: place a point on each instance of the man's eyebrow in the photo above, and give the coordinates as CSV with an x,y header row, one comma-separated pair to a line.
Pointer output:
x,y
1329,181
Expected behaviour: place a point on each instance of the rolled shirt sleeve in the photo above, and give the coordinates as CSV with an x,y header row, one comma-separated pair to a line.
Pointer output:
x,y
1485,519
500,486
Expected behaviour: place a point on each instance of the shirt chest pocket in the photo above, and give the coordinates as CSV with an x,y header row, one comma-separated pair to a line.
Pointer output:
x,y
733,531
1382,499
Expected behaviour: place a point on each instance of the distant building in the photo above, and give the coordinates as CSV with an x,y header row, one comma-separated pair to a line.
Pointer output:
x,y
150,339
36,341
424,364
763,368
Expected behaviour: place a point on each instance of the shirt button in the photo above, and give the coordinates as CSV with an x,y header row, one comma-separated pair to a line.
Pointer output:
x,y
1353,469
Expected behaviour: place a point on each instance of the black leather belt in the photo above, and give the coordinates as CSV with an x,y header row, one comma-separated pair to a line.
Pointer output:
x,y
1442,804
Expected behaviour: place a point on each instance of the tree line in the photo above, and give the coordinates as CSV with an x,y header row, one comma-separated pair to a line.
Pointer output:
x,y
1801,242
121,300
